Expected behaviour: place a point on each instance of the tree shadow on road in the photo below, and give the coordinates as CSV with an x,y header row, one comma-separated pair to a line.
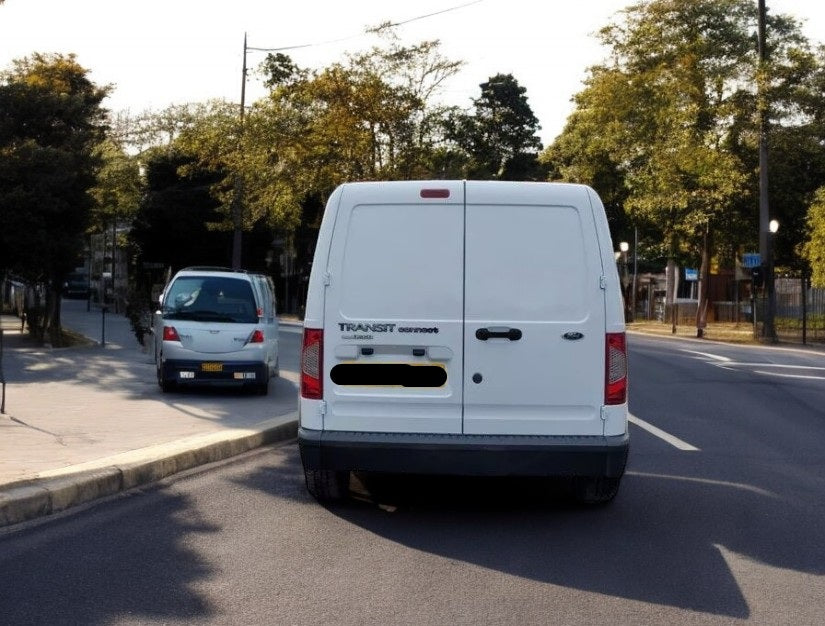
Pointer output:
x,y
90,569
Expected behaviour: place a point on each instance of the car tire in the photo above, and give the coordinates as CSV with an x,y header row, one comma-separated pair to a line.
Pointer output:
x,y
327,485
595,490
262,388
165,385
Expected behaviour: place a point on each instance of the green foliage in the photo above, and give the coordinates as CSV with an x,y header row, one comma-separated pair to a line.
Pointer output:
x,y
667,127
172,223
50,123
500,138
118,187
813,250
279,69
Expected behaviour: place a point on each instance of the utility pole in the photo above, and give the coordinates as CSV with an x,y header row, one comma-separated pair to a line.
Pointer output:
x,y
237,200
765,241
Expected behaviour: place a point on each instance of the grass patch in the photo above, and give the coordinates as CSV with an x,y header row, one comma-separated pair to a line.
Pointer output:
x,y
715,331
72,339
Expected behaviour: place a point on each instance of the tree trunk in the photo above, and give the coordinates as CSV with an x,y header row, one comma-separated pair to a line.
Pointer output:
x,y
704,285
51,320
670,294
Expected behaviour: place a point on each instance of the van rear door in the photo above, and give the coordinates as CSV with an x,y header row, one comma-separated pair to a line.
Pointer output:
x,y
534,311
393,309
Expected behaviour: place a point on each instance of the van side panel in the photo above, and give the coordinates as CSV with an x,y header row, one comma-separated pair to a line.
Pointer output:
x,y
614,311
394,307
309,411
615,417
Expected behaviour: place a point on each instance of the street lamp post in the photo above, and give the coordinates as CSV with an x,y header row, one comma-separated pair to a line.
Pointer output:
x,y
635,269
765,239
624,247
237,200
770,314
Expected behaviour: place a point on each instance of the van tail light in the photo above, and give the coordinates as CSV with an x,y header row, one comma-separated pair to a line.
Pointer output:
x,y
257,336
170,334
312,358
615,386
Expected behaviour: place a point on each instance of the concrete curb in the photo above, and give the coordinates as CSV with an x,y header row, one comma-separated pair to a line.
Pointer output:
x,y
27,500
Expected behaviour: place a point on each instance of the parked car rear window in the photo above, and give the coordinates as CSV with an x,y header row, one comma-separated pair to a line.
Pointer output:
x,y
210,299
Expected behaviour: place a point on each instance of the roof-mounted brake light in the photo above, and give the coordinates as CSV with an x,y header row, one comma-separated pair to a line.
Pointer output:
x,y
435,193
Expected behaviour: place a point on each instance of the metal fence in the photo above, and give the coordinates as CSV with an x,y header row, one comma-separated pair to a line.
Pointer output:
x,y
2,378
800,312
799,316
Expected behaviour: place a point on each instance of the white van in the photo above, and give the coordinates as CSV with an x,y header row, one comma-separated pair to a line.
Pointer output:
x,y
468,328
216,326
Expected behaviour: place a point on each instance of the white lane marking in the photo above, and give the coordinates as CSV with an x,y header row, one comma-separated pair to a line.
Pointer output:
x,y
798,376
707,481
777,366
715,357
658,432
732,366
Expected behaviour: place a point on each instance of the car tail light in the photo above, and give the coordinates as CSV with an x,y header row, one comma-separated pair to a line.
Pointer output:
x,y
312,356
257,336
615,386
170,334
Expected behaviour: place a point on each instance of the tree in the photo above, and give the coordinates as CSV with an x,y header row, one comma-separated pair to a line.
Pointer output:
x,y
371,117
176,221
51,120
672,115
500,137
813,250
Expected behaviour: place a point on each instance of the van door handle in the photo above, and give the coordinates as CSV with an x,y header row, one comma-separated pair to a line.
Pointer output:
x,y
513,334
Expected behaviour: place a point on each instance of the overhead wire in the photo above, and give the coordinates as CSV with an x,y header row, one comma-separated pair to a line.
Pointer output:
x,y
367,31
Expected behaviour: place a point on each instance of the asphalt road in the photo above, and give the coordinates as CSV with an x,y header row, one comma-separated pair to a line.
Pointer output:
x,y
719,520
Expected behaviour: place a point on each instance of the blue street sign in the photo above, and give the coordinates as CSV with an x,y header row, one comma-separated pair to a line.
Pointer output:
x,y
691,274
751,259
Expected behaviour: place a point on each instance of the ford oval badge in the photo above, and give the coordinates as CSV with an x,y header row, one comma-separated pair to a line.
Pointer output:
x,y
572,336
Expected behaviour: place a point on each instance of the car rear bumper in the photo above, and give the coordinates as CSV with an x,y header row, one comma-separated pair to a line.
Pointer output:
x,y
189,372
468,455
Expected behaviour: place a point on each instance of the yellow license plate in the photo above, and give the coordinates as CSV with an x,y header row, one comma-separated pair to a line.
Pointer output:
x,y
211,367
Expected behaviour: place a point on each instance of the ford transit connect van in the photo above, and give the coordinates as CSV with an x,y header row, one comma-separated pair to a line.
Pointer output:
x,y
216,326
468,328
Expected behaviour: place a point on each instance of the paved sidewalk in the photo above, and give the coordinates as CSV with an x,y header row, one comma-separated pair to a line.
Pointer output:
x,y
85,422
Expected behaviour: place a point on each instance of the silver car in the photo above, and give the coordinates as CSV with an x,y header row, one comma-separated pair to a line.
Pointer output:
x,y
216,326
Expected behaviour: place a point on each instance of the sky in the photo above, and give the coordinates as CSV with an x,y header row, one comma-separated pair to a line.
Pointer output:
x,y
161,52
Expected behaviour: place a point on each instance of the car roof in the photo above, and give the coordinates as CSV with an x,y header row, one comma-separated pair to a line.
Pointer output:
x,y
213,272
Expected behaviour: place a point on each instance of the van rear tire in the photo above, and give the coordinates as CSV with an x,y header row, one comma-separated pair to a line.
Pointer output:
x,y
327,485
595,490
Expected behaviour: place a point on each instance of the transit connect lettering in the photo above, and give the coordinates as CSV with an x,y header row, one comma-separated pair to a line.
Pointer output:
x,y
375,327
366,328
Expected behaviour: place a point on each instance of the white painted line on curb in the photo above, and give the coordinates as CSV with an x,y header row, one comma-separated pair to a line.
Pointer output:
x,y
658,432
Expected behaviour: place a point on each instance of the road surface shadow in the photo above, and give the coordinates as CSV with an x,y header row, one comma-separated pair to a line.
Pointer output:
x,y
92,571
659,542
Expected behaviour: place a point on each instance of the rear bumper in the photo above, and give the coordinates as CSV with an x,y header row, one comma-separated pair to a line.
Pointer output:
x,y
468,455
191,372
